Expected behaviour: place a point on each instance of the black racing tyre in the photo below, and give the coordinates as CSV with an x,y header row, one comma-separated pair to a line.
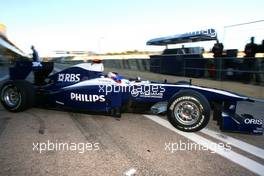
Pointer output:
x,y
188,111
17,95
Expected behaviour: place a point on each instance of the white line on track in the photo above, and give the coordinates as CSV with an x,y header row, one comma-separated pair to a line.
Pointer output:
x,y
237,158
4,77
130,172
235,142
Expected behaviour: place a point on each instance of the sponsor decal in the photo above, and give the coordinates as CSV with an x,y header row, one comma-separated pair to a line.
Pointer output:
x,y
148,91
36,64
87,98
66,77
208,32
105,81
144,91
253,121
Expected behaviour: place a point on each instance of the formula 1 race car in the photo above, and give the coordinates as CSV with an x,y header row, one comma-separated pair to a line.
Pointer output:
x,y
84,87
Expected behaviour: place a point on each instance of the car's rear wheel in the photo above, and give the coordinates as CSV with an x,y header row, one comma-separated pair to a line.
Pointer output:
x,y
189,111
17,95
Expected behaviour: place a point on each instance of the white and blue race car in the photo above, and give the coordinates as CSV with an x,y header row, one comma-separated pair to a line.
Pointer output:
x,y
84,87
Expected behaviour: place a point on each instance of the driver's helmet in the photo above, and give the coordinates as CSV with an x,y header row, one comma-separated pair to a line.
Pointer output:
x,y
114,76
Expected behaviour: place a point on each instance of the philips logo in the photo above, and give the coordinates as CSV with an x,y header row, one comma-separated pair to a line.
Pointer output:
x,y
87,98
253,121
62,77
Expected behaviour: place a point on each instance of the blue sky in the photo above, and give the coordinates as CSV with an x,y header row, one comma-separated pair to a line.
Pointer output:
x,y
119,25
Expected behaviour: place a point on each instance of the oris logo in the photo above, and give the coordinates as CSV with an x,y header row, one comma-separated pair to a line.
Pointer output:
x,y
87,98
69,77
253,121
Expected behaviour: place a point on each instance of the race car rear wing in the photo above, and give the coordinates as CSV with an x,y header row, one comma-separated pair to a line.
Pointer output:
x,y
22,69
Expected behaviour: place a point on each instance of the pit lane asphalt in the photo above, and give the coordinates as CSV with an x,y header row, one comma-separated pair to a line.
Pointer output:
x,y
132,142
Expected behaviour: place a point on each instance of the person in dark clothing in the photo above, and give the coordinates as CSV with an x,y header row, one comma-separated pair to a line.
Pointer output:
x,y
251,48
261,47
218,49
35,55
250,61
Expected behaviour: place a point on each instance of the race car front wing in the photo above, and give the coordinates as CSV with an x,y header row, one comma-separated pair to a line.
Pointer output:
x,y
230,121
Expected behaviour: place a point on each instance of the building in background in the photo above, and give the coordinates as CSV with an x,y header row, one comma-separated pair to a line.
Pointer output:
x,y
8,50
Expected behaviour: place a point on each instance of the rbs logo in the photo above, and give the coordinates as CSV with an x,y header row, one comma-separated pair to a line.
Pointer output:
x,y
66,77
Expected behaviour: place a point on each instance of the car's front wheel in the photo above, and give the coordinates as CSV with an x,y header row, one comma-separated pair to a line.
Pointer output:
x,y
189,111
17,95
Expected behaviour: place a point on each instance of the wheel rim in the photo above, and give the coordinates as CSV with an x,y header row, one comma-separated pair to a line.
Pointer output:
x,y
187,112
11,96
